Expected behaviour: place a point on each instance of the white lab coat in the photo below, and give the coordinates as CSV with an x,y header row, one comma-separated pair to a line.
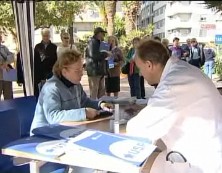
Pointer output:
x,y
185,111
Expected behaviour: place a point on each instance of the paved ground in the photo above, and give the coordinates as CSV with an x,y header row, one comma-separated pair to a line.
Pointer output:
x,y
18,92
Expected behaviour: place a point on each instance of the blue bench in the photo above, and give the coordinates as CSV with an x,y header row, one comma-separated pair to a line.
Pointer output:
x,y
16,116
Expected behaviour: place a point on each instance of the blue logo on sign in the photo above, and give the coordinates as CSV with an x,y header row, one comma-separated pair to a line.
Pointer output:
x,y
218,39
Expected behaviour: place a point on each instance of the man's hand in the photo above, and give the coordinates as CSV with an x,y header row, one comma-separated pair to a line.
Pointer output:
x,y
91,113
109,53
133,109
19,84
107,106
5,66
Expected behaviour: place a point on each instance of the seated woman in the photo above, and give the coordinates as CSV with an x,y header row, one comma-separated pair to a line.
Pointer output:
x,y
62,97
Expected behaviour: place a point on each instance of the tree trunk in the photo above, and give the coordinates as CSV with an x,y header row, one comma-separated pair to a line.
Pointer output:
x,y
71,34
129,23
110,8
103,14
131,9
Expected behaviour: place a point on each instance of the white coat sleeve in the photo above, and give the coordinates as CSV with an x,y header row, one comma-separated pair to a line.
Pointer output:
x,y
156,119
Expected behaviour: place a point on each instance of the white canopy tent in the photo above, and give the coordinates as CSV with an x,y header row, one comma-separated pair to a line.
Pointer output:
x,y
24,19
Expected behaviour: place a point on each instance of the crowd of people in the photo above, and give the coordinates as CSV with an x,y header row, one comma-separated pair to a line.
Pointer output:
x,y
103,80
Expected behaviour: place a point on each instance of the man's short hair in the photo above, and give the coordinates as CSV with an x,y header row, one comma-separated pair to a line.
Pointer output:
x,y
157,38
135,39
45,31
176,39
154,51
193,40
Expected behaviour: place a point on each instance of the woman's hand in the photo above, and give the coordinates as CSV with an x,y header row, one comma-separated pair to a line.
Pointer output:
x,y
107,106
91,113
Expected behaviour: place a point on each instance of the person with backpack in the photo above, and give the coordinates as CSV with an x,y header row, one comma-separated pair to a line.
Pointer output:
x,y
210,55
133,73
96,64
196,57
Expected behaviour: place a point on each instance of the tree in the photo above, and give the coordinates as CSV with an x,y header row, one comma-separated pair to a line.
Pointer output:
x,y
130,9
110,8
56,13
102,11
7,21
119,26
127,39
217,5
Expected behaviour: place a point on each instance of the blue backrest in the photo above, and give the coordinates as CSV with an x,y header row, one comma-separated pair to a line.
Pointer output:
x,y
9,131
25,107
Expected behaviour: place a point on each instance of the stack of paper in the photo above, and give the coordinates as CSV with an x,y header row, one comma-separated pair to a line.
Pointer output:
x,y
110,152
104,46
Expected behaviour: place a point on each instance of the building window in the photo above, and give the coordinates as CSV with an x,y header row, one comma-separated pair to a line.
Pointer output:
x,y
75,30
203,18
161,23
155,13
161,10
203,32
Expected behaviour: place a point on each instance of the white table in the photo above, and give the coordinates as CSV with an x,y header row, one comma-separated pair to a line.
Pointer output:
x,y
36,160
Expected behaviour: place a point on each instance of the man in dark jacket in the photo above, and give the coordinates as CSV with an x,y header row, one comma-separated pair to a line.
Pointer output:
x,y
20,73
96,64
45,57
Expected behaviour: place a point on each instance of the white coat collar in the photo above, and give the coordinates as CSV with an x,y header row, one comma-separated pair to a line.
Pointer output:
x,y
170,62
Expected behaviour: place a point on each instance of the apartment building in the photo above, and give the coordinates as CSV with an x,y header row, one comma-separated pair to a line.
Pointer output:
x,y
186,19
183,19
153,12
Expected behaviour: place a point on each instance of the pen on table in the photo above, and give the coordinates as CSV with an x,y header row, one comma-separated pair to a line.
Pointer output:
x,y
62,154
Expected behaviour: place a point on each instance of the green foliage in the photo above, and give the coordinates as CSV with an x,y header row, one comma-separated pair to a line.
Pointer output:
x,y
118,24
218,64
126,41
7,21
217,5
81,45
57,13
119,27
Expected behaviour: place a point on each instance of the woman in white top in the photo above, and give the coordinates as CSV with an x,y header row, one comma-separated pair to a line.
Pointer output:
x,y
65,37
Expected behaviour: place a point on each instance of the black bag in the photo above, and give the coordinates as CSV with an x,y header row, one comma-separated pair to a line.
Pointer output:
x,y
126,68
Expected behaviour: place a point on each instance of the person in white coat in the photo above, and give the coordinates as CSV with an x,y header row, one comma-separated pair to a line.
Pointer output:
x,y
185,110
65,37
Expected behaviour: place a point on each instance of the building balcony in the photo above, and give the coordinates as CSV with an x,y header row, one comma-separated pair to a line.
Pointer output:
x,y
174,24
177,8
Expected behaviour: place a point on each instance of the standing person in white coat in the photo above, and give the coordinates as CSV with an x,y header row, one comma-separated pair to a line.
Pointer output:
x,y
185,110
65,37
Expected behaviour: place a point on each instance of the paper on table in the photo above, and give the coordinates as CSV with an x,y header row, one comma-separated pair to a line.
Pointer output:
x,y
10,75
132,150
